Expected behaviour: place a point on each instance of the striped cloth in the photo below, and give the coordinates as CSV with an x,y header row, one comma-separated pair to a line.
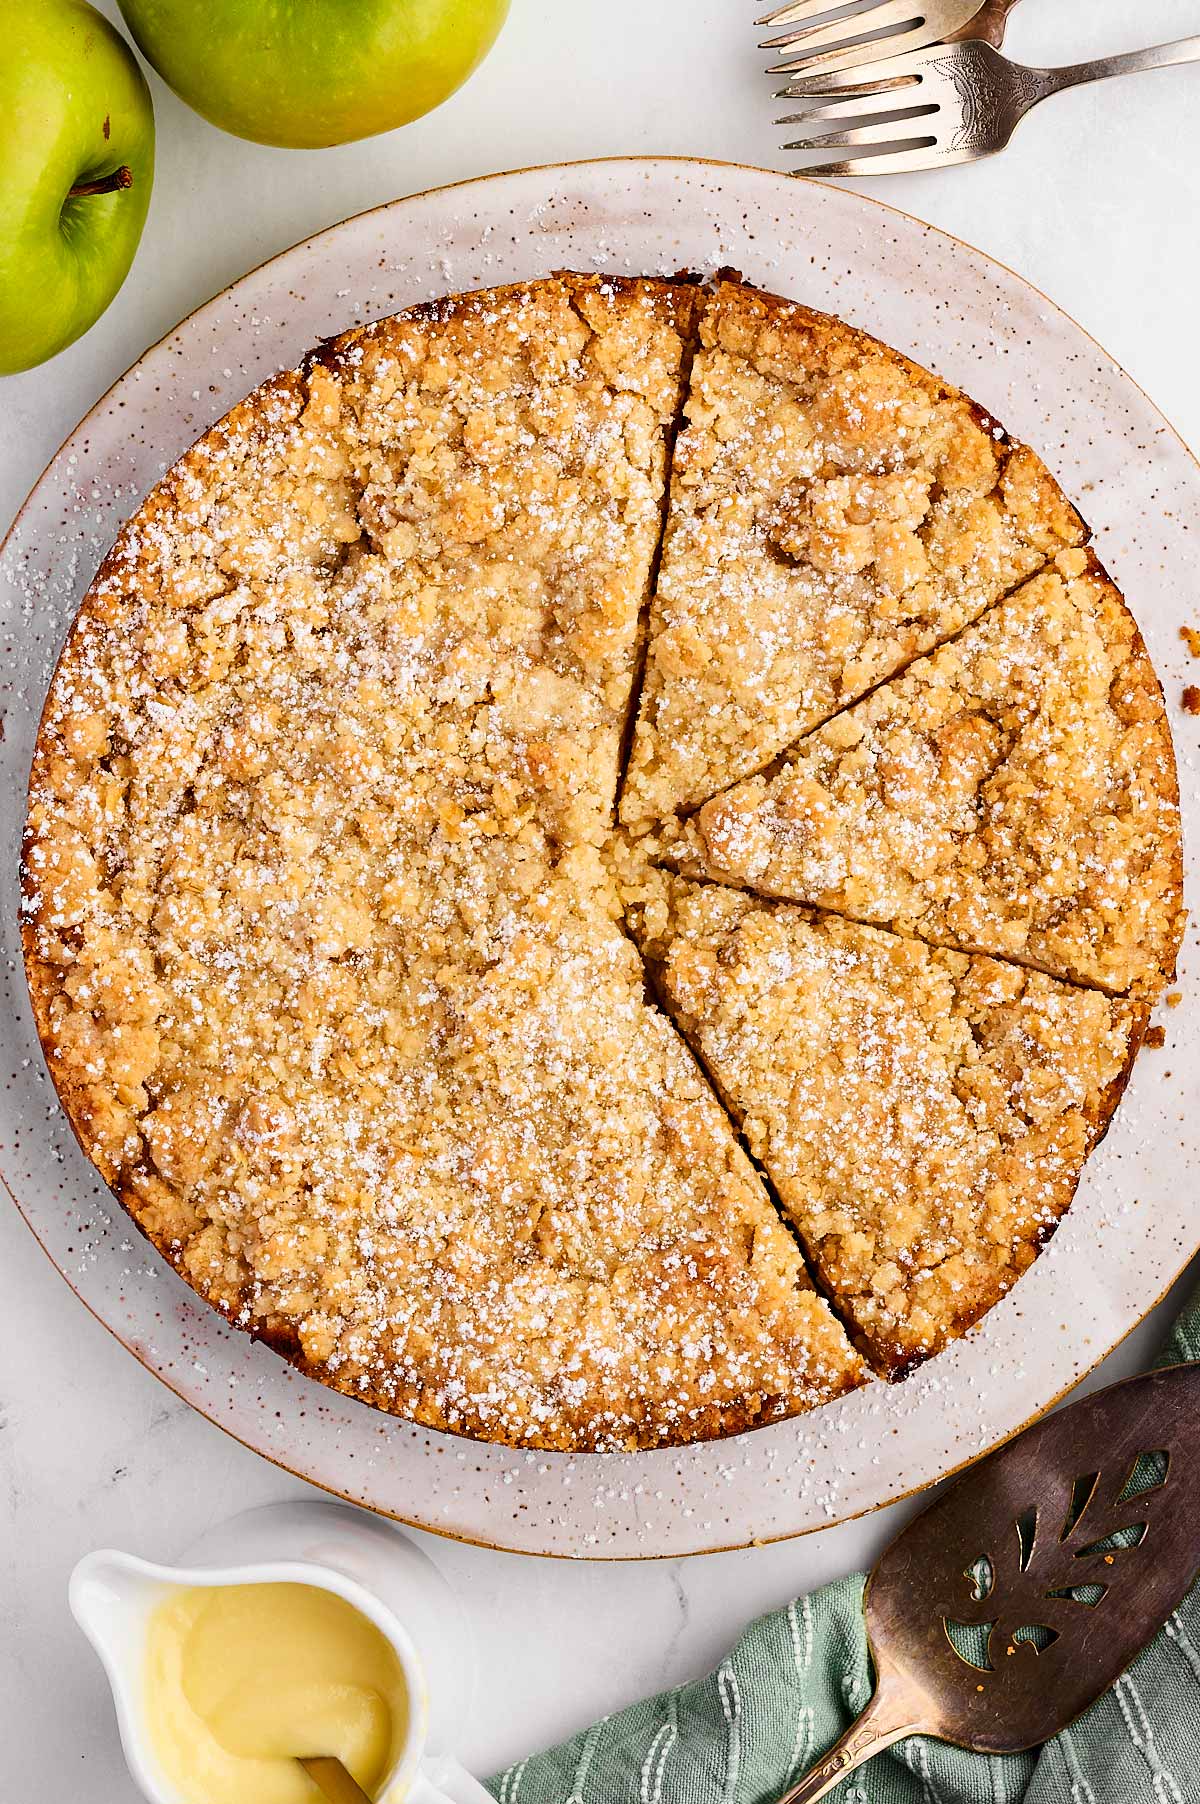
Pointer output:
x,y
797,1678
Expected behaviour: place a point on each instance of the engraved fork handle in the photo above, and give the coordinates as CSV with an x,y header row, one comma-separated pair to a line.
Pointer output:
x,y
895,1711
1133,62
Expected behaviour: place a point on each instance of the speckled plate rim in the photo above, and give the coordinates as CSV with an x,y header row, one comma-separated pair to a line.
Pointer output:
x,y
1130,1232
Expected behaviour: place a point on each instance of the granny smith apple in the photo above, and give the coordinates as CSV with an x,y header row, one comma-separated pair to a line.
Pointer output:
x,y
76,165
312,72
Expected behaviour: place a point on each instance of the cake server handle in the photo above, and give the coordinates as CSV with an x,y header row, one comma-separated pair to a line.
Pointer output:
x,y
332,1779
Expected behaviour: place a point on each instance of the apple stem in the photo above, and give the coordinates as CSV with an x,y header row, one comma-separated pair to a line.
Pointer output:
x,y
105,184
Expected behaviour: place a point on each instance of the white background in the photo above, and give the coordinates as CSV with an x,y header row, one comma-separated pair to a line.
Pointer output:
x,y
1097,203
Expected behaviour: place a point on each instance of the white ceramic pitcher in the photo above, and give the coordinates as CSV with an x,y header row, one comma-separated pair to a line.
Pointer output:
x,y
360,1559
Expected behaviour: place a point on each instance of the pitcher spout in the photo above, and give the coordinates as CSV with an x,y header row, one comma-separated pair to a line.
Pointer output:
x,y
112,1596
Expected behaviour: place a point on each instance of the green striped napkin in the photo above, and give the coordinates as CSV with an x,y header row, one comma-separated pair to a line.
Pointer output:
x,y
798,1677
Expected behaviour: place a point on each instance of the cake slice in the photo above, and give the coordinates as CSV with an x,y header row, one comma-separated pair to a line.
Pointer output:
x,y
1014,793
835,511
923,1115
508,451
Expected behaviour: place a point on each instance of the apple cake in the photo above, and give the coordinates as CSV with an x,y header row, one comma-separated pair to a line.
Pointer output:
x,y
598,856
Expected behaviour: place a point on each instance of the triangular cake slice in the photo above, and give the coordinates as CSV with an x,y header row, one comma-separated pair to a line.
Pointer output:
x,y
923,1115
1013,793
835,511
509,451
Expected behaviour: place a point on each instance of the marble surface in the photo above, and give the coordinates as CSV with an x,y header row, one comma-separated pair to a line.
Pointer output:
x,y
1093,203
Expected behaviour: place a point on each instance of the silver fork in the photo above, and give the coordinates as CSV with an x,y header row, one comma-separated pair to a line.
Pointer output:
x,y
950,103
877,28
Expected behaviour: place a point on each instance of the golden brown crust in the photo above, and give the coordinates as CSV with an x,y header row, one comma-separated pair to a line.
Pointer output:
x,y
835,512
1014,793
923,1115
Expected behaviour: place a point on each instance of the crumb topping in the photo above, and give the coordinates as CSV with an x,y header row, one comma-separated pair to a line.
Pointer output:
x,y
835,511
327,982
330,929
923,1115
1014,793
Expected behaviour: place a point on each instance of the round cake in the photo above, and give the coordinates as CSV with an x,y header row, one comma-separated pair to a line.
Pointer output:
x,y
598,859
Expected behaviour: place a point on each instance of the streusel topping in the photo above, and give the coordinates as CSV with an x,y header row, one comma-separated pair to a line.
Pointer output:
x,y
923,1115
1014,793
321,953
835,511
328,921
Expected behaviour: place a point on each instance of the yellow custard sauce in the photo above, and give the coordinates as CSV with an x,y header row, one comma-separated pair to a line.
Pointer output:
x,y
240,1679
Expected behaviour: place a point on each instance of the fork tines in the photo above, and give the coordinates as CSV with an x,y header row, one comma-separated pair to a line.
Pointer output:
x,y
831,32
884,112
877,27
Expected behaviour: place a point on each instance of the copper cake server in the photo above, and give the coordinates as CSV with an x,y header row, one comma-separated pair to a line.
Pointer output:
x,y
1025,1590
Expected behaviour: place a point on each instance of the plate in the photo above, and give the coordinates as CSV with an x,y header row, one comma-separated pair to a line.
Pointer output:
x,y
1134,1222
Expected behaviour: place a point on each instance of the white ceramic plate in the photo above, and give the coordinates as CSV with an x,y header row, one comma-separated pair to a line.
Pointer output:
x,y
1134,1222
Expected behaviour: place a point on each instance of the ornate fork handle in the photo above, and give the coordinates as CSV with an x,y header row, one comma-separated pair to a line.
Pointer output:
x,y
1132,62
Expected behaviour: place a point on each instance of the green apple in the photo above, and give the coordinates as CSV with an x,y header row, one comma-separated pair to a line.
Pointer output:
x,y
76,166
311,72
